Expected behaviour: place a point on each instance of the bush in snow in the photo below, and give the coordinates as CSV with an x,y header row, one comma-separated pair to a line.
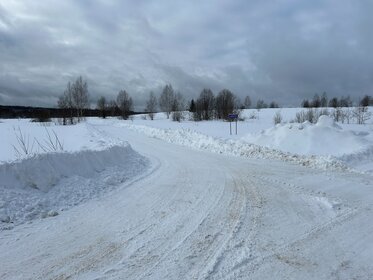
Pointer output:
x,y
337,114
311,115
346,115
303,116
25,148
361,114
253,115
342,114
277,118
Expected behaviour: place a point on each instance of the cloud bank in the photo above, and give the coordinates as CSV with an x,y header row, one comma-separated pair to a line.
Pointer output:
x,y
283,50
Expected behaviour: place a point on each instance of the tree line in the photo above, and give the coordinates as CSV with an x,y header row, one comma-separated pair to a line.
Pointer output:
x,y
335,102
75,100
207,106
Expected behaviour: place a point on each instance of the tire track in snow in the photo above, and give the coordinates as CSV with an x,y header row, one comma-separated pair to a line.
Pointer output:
x,y
204,242
243,239
151,253
247,265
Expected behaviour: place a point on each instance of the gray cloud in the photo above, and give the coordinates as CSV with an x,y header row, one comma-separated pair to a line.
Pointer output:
x,y
284,49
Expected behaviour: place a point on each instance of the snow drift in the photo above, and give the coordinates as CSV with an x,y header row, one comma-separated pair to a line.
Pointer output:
x,y
323,138
190,138
42,185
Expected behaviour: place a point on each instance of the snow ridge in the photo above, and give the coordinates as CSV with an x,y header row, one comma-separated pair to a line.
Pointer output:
x,y
42,185
190,138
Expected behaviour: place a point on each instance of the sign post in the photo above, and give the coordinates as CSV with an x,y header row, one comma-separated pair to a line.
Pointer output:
x,y
232,117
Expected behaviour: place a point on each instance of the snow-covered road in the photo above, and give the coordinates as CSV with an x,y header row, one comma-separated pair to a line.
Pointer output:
x,y
199,215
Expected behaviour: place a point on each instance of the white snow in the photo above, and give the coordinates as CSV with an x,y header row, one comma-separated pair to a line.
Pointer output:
x,y
323,138
43,183
214,206
72,138
324,144
189,138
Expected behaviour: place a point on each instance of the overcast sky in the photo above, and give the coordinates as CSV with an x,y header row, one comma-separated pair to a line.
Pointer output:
x,y
282,50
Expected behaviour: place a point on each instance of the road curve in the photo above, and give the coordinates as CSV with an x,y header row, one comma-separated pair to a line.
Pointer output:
x,y
199,215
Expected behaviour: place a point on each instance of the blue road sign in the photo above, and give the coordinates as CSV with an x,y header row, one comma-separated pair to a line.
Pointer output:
x,y
233,116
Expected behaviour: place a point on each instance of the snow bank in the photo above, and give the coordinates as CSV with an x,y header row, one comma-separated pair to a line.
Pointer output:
x,y
45,184
190,138
323,138
327,142
73,138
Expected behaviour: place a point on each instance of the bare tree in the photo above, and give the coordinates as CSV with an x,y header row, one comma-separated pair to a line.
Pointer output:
x,y
273,104
324,100
125,104
62,104
305,103
113,108
65,102
178,105
316,101
166,100
192,106
80,96
205,105
366,101
334,102
247,102
151,105
345,102
260,104
224,104
102,106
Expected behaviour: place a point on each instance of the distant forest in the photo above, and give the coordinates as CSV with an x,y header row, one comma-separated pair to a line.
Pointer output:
x,y
40,113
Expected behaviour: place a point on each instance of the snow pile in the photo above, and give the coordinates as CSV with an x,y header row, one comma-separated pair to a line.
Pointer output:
x,y
39,137
41,186
190,138
323,138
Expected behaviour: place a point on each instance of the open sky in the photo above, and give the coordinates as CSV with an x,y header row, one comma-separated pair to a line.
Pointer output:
x,y
282,50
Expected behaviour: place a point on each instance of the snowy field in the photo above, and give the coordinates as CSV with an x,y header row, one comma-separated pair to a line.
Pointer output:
x,y
142,199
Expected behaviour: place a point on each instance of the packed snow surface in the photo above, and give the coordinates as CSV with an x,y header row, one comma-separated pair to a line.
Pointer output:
x,y
214,206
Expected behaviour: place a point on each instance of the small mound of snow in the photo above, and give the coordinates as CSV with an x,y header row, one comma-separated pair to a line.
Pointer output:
x,y
38,187
326,121
324,138
362,160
